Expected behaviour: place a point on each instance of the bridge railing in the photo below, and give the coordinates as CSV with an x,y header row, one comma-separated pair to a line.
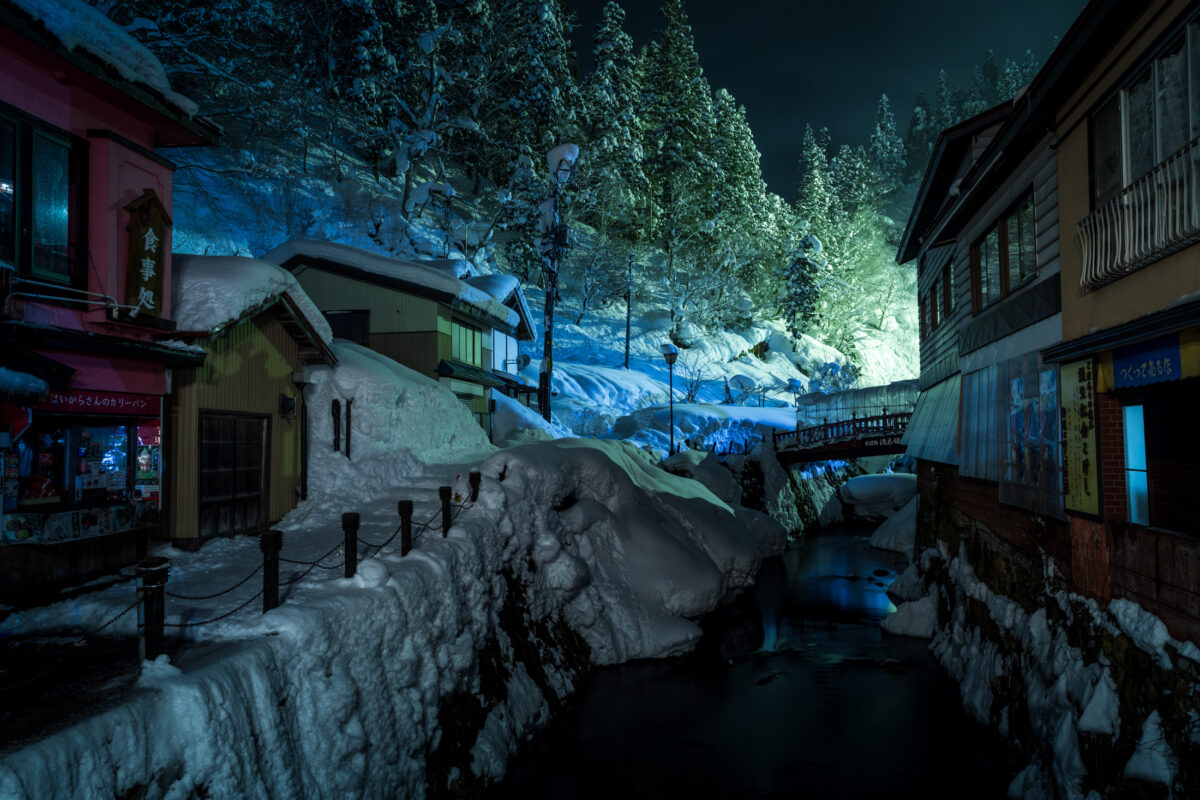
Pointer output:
x,y
854,428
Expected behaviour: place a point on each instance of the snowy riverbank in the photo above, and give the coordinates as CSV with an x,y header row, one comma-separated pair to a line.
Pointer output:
x,y
423,672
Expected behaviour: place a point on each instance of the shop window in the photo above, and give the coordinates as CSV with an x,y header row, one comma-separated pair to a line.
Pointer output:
x,y
42,196
1006,256
73,464
1136,478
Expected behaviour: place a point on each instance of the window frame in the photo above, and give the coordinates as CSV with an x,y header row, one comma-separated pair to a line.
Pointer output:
x,y
1186,33
27,129
981,299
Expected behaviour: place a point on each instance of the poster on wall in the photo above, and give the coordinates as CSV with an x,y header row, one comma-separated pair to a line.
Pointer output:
x,y
1080,464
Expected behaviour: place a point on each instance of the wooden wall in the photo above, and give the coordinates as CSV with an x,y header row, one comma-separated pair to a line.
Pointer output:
x,y
247,368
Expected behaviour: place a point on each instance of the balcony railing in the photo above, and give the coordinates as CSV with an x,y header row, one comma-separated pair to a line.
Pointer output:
x,y
1153,217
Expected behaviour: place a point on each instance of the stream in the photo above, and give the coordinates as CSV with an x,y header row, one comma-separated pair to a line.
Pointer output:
x,y
794,692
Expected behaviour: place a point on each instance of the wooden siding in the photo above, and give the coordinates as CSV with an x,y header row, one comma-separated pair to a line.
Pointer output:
x,y
942,342
417,351
392,311
247,368
1039,172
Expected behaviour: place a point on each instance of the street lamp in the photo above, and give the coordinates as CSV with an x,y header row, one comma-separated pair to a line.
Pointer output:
x,y
670,353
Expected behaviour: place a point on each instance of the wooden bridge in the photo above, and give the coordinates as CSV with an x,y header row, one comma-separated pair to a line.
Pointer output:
x,y
851,438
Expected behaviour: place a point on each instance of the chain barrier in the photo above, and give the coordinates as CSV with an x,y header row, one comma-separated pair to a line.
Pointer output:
x,y
218,594
311,565
257,595
47,670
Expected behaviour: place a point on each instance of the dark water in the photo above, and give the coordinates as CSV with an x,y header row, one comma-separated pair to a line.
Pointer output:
x,y
795,693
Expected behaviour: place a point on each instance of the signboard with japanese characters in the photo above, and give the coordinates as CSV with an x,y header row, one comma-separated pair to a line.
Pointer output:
x,y
148,222
1147,362
93,402
1080,464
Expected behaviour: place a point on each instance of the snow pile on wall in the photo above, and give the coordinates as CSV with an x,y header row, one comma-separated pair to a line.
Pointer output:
x,y
1064,690
879,495
208,291
514,423
727,428
899,531
708,469
348,689
400,422
80,27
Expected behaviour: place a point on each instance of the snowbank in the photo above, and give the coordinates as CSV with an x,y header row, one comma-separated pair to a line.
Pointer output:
x,y
514,423
879,495
917,618
899,531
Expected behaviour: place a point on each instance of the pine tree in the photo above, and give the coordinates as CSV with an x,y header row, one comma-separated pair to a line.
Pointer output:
x,y
887,148
945,113
814,202
801,284
918,144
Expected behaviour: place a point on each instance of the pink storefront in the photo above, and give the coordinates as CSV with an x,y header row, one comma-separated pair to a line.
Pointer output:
x,y
85,279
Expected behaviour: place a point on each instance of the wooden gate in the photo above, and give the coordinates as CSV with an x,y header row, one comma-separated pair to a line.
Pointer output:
x,y
233,474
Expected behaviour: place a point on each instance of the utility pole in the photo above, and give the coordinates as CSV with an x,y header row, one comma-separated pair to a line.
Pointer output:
x,y
628,304
561,161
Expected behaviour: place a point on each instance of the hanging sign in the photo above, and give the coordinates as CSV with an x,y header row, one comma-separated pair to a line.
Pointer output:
x,y
148,221
1080,465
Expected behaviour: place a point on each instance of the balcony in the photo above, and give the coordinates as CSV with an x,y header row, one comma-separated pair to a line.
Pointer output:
x,y
1153,217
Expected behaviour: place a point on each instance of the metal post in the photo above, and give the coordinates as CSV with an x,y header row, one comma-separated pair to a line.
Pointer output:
x,y
270,542
405,509
444,491
349,403
671,370
628,305
350,528
474,479
152,582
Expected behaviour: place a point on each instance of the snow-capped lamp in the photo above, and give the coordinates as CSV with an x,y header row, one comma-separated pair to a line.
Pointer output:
x,y
670,353
561,162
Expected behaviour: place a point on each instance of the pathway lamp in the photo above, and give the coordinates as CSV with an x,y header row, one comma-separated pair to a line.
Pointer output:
x,y
670,353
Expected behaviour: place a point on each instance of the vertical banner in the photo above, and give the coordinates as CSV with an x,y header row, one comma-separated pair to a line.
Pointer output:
x,y
1080,462
148,221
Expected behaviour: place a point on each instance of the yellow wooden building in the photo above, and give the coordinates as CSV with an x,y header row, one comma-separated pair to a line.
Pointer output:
x,y
236,426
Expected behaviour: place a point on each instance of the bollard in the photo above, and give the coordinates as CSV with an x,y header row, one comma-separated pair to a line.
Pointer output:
x,y
350,529
444,491
405,509
152,582
474,479
270,542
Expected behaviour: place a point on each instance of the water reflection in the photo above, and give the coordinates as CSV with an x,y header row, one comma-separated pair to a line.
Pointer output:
x,y
794,693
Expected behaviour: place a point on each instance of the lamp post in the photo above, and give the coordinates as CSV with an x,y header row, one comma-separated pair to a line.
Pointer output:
x,y
670,353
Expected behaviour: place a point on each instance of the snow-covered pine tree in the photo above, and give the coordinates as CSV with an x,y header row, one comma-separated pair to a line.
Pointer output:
x,y
678,125
801,284
945,112
814,202
887,148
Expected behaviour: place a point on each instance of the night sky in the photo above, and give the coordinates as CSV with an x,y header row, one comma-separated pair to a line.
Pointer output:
x,y
826,63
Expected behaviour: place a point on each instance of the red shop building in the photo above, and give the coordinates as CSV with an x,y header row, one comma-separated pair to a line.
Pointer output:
x,y
85,287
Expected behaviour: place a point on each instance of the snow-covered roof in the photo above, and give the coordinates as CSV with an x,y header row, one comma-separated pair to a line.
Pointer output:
x,y
407,276
82,28
210,291
507,290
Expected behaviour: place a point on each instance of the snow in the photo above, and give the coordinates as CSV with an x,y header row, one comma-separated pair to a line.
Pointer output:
x,y
1149,632
514,423
81,27
899,531
560,161
908,586
209,291
14,382
917,618
413,272
1153,760
1102,714
879,495
340,687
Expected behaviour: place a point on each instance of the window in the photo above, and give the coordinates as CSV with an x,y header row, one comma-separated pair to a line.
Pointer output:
x,y
1136,483
467,344
948,289
1006,256
933,303
41,201
60,463
1154,116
